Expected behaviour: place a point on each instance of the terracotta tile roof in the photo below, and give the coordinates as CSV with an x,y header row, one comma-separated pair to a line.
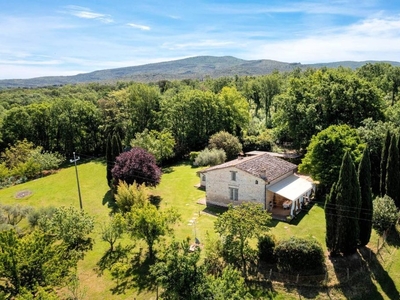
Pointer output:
x,y
264,166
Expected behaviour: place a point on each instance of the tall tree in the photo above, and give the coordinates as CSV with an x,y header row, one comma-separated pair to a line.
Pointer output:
x,y
364,178
325,153
331,220
159,143
373,134
237,227
348,203
384,158
139,105
393,171
113,149
234,110
148,223
70,226
269,88
179,274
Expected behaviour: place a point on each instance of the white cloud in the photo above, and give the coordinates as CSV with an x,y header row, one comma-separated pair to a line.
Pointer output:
x,y
349,8
370,39
87,13
141,27
198,44
22,72
30,62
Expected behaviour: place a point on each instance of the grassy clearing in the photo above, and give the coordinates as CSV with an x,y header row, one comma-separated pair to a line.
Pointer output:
x,y
177,189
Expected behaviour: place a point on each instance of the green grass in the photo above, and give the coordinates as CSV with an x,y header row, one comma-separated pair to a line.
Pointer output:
x,y
306,224
177,189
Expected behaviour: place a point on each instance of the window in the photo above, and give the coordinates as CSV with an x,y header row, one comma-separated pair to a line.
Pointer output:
x,y
234,194
203,178
256,181
233,175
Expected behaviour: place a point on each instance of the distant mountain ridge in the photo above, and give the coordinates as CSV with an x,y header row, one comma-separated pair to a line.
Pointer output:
x,y
189,68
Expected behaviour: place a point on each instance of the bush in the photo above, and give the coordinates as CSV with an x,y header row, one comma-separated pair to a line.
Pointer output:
x,y
129,195
266,247
226,141
262,142
42,212
193,155
299,254
384,214
210,157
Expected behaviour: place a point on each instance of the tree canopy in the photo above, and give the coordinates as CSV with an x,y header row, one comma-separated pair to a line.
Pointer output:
x,y
325,153
136,165
237,226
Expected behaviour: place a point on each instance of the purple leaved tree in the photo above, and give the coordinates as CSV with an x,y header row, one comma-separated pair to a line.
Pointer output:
x,y
136,165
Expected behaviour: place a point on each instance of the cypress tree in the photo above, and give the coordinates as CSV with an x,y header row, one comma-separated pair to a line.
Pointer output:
x,y
348,204
113,149
364,178
330,219
393,172
384,158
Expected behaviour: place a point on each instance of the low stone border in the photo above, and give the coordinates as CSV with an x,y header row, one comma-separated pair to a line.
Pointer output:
x,y
23,194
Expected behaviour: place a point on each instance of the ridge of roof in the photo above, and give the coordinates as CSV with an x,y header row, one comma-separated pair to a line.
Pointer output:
x,y
264,166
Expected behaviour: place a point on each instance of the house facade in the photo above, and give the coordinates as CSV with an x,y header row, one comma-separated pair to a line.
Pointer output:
x,y
262,178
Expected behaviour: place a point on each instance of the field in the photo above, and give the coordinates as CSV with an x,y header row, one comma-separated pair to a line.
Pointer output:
x,y
177,189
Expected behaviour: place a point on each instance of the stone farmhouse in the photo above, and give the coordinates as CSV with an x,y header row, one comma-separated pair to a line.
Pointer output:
x,y
261,178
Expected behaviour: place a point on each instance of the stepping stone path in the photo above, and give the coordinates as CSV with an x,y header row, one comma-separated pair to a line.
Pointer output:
x,y
192,220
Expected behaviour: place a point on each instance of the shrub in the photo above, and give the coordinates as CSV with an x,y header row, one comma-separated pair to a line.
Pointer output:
x,y
384,214
299,254
130,194
193,155
42,212
262,142
210,157
226,141
266,247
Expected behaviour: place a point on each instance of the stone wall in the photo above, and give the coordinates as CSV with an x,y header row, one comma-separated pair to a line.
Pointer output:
x,y
218,182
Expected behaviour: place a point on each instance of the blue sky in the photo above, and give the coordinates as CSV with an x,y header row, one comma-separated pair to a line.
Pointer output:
x,y
50,37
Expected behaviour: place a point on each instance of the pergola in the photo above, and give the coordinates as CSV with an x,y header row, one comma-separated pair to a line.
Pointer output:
x,y
295,189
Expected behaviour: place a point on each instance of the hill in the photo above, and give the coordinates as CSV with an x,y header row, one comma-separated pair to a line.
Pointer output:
x,y
189,68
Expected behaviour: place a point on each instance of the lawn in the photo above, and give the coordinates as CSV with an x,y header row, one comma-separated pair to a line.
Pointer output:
x,y
177,189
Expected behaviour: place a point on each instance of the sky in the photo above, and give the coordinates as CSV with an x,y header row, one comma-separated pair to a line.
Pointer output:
x,y
53,37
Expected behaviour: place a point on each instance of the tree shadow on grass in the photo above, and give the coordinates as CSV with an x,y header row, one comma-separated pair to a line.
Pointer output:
x,y
167,169
109,200
379,273
261,289
214,210
355,277
135,274
111,257
155,200
304,211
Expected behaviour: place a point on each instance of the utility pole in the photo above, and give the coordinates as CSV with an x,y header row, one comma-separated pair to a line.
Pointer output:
x,y
77,179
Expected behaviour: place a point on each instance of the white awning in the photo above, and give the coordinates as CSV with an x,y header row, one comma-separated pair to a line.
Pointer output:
x,y
291,187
